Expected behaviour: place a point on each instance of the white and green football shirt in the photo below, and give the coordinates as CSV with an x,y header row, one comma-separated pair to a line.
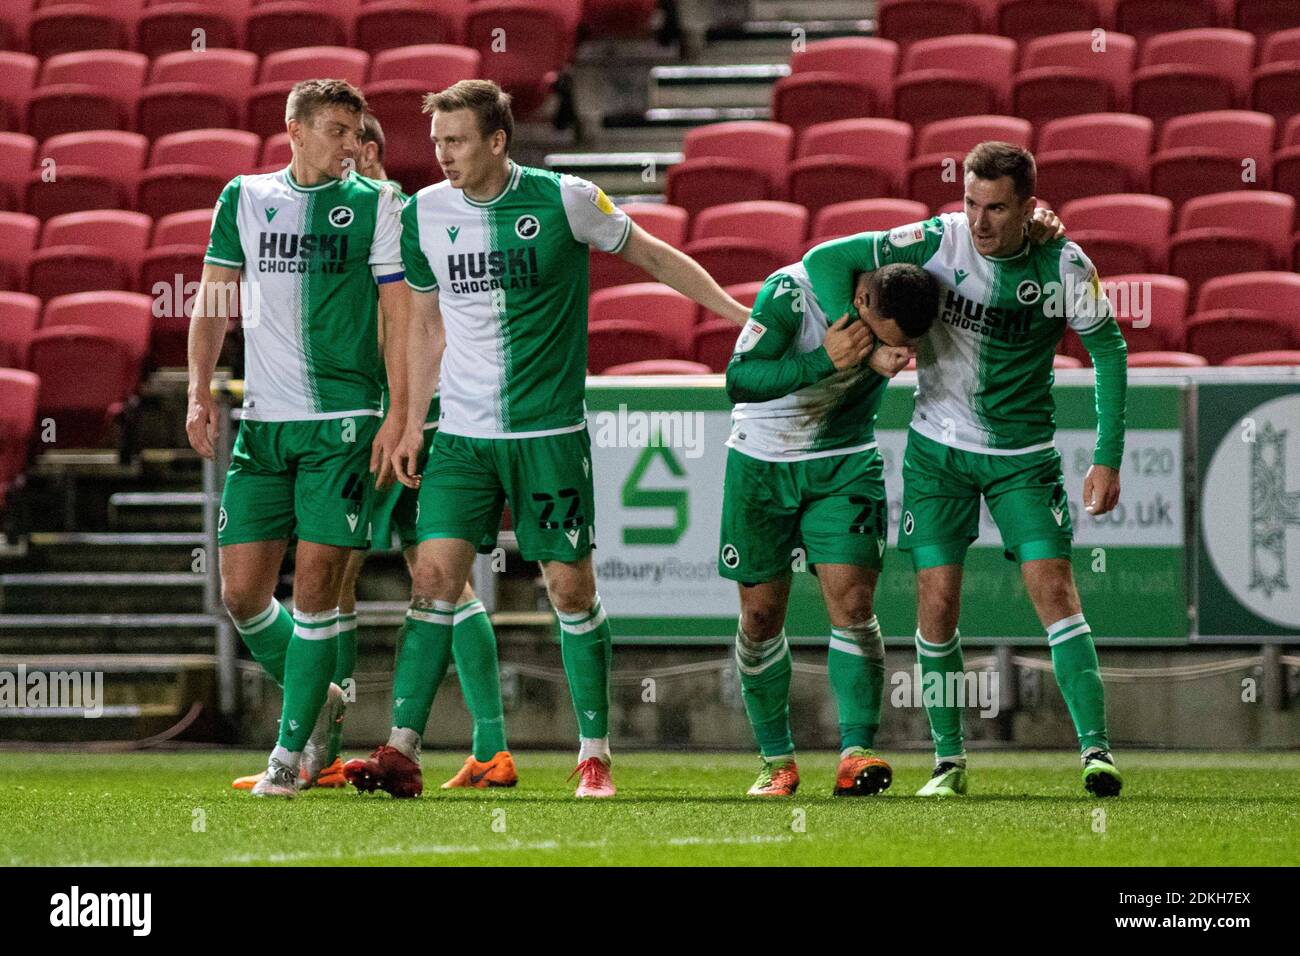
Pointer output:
x,y
984,370
311,258
792,404
511,278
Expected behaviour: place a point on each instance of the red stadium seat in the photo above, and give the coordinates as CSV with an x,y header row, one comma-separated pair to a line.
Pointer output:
x,y
162,269
1273,293
15,15
928,96
65,28
872,59
276,151
17,157
801,100
1066,361
819,181
1247,134
19,71
74,107
66,270
1199,255
714,342
1166,360
1049,92
1151,310
1142,19
907,21
1279,46
1271,358
540,45
315,62
1226,53
933,180
86,377
1068,174
1286,171
659,367
865,215
1262,17
959,135
988,60
1078,50
1025,20
779,225
732,261
166,189
1113,253
1290,133
619,341
696,184
20,314
409,157
666,310
125,234
19,391
746,293
1275,90
1122,137
164,108
1295,253
169,27
232,71
290,24
387,24
93,170
126,316
1142,219
617,18
183,228
19,233
884,143
1173,89
437,66
1266,216
1219,334
760,145
116,70
228,152
1183,174
664,222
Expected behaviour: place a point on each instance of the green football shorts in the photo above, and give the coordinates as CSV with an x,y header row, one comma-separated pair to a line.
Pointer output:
x,y
397,507
546,480
941,503
306,479
833,507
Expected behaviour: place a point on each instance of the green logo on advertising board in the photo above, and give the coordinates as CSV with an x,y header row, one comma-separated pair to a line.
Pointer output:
x,y
634,496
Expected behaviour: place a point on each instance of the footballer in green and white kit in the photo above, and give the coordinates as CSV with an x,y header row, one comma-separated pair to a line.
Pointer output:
x,y
983,426
804,472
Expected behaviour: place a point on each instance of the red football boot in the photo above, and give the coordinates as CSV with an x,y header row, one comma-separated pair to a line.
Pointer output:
x,y
387,769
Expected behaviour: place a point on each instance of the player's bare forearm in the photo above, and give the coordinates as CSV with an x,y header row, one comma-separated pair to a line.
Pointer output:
x,y
207,332
395,321
679,271
424,347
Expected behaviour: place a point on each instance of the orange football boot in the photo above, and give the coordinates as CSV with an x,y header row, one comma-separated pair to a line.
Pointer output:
x,y
497,772
862,773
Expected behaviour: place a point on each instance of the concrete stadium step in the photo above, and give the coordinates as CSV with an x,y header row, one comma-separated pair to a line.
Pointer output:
x,y
617,173
799,10
125,696
774,39
100,591
156,510
747,85
106,633
112,550
660,122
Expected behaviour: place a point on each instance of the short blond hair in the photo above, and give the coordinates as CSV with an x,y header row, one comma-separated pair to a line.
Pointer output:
x,y
488,102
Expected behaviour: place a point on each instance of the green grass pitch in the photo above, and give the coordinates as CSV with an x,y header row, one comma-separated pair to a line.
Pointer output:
x,y
177,808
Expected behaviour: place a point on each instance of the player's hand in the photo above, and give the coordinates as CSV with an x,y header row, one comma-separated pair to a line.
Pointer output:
x,y
848,344
1100,489
406,457
889,360
381,452
201,423
1045,226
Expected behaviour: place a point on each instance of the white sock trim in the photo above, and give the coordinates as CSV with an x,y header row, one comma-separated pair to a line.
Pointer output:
x,y
926,649
589,621
1064,622
260,621
466,611
1066,635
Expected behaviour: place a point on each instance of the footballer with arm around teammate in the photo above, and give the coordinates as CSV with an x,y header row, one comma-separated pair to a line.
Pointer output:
x,y
984,427
497,258
804,472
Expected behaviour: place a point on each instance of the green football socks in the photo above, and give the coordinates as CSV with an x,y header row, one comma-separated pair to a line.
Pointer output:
x,y
586,645
474,648
266,636
421,663
765,668
308,666
855,663
1078,674
940,660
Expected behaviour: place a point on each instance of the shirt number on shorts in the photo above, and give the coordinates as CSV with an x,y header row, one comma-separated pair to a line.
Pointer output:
x,y
870,519
571,518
